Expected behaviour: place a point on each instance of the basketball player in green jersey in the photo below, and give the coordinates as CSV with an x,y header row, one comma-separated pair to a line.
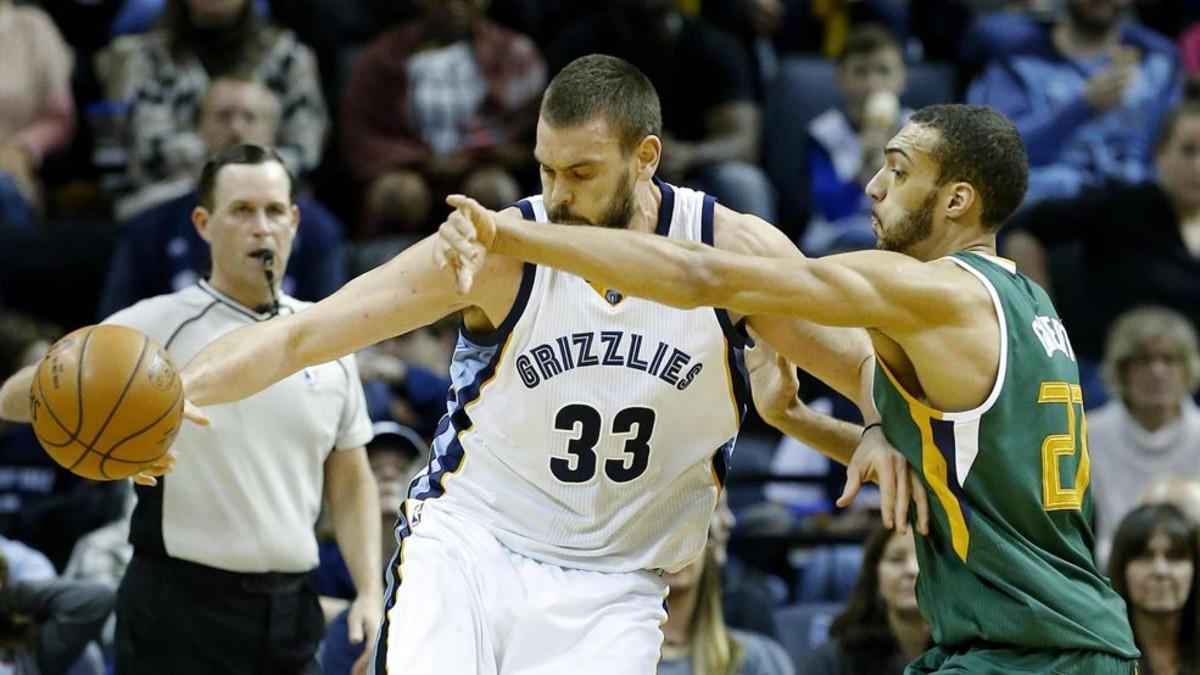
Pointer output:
x,y
976,381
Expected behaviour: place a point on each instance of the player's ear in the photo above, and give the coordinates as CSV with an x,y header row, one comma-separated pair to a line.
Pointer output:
x,y
962,199
200,222
649,152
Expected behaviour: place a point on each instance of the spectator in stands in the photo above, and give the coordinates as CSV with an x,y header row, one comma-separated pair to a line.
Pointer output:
x,y
696,638
445,103
880,631
45,625
711,121
746,593
1088,94
160,250
165,73
1141,242
1183,492
845,144
1153,567
1151,428
37,112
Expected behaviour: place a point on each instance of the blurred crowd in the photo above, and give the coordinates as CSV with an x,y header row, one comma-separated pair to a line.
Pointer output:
x,y
781,108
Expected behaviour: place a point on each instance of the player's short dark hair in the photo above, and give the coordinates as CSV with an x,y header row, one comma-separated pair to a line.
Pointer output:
x,y
868,38
1167,129
982,147
238,154
604,85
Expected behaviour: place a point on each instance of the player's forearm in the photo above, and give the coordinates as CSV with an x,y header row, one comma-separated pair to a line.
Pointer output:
x,y
831,437
648,266
14,395
240,364
866,391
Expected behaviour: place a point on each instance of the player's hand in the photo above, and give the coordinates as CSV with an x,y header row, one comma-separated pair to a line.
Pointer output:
x,y
193,414
464,239
160,467
362,623
876,460
773,381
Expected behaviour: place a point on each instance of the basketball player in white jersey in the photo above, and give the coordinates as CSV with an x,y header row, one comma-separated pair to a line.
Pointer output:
x,y
587,432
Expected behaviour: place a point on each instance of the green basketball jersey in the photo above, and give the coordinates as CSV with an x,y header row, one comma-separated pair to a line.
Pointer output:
x,y
1008,558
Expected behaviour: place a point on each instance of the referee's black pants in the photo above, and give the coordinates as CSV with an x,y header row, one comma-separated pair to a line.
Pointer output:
x,y
179,618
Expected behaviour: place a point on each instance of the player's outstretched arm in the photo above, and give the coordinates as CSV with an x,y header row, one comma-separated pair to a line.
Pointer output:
x,y
403,294
875,289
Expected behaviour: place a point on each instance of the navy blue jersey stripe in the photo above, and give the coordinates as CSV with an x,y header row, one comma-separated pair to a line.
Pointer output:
x,y
943,438
667,210
391,576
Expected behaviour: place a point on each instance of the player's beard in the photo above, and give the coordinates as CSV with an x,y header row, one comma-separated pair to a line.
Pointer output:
x,y
616,216
910,230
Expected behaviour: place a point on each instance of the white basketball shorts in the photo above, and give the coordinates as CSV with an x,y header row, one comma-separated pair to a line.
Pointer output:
x,y
460,603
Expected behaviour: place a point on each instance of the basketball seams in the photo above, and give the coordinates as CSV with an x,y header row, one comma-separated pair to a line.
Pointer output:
x,y
79,379
140,441
41,395
108,453
137,367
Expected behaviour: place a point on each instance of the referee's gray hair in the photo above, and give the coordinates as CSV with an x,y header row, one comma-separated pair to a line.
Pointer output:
x,y
1133,329
597,84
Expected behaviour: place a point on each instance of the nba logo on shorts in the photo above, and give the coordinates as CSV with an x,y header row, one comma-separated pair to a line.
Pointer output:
x,y
415,518
310,378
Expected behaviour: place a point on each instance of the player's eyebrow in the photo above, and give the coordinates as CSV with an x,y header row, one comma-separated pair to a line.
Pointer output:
x,y
893,149
576,165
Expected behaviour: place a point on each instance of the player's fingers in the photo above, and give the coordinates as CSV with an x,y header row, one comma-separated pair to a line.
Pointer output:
x,y
468,206
145,479
901,495
850,491
452,234
921,497
354,624
887,494
465,277
194,415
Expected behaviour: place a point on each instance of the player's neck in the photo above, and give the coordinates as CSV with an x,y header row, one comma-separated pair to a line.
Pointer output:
x,y
955,240
1078,43
647,200
252,295
1156,635
1154,417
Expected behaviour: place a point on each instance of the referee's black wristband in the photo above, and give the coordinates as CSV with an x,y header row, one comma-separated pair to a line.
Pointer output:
x,y
869,427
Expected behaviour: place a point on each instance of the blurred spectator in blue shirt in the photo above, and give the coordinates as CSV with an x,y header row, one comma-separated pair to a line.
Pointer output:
x,y
161,252
845,143
1088,93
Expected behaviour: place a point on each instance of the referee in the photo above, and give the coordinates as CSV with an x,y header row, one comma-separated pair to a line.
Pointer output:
x,y
223,546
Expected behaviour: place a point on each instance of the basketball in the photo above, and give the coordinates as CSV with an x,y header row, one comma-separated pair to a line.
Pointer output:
x,y
106,401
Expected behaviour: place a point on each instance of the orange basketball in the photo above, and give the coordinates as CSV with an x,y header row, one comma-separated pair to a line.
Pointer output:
x,y
106,401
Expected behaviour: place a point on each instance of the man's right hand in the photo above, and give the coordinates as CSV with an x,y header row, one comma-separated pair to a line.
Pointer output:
x,y
1106,89
876,460
464,239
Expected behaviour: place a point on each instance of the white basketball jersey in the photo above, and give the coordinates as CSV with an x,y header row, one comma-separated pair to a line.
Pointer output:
x,y
591,429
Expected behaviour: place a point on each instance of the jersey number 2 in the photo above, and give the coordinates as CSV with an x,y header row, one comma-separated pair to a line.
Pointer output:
x,y
1055,497
586,421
